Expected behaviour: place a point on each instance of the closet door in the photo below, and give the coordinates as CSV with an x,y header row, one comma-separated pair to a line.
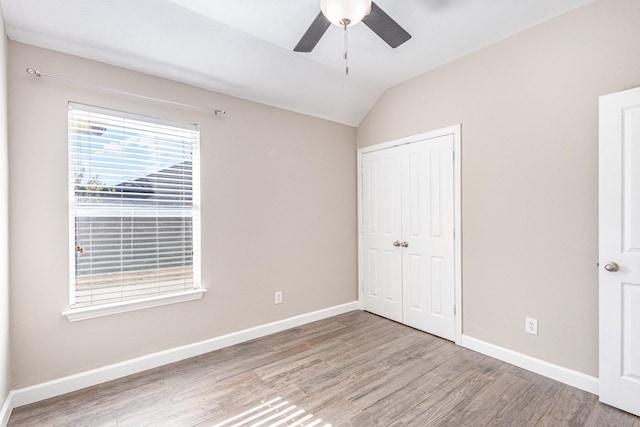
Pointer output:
x,y
427,236
381,267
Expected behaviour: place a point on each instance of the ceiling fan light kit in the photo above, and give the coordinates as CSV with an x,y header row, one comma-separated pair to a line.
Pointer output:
x,y
345,12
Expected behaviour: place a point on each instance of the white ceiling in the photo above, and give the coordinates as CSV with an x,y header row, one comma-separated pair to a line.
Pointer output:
x,y
244,48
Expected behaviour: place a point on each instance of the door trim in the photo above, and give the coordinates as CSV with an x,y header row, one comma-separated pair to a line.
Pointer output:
x,y
454,130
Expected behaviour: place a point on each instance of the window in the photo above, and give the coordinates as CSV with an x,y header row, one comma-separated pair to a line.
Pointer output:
x,y
134,211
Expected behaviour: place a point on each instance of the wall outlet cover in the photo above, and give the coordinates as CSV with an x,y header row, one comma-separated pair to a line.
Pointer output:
x,y
531,325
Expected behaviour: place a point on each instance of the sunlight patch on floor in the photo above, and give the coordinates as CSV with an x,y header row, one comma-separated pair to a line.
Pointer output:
x,y
274,413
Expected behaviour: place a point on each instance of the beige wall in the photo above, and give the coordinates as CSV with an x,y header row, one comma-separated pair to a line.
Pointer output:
x,y
528,106
5,380
278,207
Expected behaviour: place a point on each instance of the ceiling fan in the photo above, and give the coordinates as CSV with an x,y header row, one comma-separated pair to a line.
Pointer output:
x,y
345,13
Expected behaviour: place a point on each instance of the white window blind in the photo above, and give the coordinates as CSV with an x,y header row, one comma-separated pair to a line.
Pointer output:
x,y
134,209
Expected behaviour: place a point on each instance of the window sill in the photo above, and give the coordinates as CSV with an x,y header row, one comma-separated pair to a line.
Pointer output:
x,y
75,314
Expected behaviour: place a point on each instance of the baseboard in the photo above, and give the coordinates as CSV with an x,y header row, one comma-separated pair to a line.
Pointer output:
x,y
38,392
5,413
567,376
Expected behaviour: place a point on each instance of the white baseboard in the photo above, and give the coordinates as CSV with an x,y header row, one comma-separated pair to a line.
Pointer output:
x,y
27,395
564,375
5,413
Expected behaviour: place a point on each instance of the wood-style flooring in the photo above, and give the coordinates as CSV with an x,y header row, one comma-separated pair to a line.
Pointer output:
x,y
356,369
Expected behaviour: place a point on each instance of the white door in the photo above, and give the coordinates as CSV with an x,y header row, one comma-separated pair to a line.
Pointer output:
x,y
381,228
407,234
427,236
620,250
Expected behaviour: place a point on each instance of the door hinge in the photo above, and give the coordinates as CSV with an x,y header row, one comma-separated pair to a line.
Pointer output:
x,y
454,310
454,232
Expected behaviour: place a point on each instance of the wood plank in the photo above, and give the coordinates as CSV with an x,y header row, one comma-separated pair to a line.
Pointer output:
x,y
450,403
571,407
605,415
392,406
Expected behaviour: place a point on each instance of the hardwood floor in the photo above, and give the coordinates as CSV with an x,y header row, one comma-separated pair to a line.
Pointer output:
x,y
356,369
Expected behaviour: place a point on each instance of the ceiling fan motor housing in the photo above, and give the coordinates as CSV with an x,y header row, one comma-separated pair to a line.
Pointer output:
x,y
345,13
341,12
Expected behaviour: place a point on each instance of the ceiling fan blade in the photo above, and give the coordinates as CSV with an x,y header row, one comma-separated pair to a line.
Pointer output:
x,y
313,34
385,27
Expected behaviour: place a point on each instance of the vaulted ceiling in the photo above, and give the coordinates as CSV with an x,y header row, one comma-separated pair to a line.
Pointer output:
x,y
244,48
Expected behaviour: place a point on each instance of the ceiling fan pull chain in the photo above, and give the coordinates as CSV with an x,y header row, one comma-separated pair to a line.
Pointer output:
x,y
345,23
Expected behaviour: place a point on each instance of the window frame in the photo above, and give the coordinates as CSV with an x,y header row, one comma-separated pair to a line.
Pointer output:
x,y
146,301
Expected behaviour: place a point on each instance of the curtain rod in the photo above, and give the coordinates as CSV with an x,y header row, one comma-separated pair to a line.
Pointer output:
x,y
38,75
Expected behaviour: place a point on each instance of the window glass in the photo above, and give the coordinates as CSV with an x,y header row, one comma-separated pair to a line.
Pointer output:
x,y
134,207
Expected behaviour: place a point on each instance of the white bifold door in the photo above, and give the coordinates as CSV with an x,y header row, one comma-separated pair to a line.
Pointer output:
x,y
407,234
620,250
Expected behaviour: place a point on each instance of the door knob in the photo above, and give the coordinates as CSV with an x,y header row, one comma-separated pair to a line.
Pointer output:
x,y
396,244
611,267
404,244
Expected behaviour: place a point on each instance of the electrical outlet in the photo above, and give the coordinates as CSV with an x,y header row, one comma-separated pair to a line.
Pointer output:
x,y
531,326
278,297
